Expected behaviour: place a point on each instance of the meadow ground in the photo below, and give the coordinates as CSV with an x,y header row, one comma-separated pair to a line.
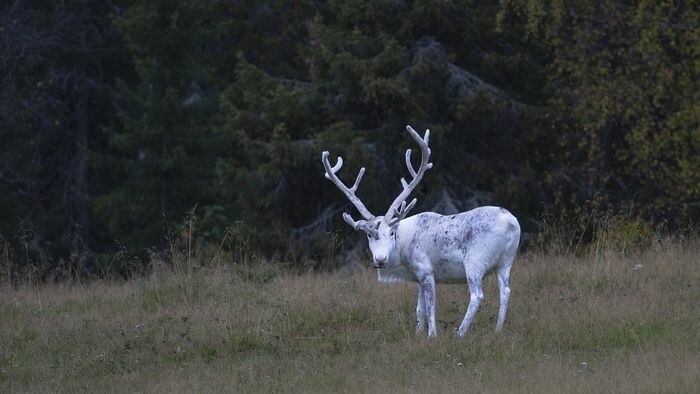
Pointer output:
x,y
591,323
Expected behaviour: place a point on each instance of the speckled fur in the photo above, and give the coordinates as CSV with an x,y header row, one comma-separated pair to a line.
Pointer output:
x,y
430,248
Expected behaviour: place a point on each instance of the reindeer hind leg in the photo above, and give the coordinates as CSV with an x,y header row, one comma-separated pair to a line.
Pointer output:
x,y
503,273
476,294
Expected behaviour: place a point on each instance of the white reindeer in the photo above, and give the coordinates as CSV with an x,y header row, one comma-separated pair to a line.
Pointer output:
x,y
429,247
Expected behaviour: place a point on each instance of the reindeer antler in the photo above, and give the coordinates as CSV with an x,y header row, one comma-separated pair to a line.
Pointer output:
x,y
398,209
349,192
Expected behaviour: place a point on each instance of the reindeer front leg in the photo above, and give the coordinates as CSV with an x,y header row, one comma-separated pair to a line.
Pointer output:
x,y
420,311
427,284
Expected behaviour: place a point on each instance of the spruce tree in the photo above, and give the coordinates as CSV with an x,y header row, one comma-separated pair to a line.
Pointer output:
x,y
156,161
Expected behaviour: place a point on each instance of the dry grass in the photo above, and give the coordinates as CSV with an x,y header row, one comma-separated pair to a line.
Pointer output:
x,y
204,330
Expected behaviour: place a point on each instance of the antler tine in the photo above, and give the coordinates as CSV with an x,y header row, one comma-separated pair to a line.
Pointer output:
x,y
398,208
349,192
358,180
338,165
408,163
402,211
357,224
352,222
405,208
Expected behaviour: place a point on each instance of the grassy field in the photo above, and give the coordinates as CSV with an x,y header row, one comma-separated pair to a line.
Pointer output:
x,y
575,324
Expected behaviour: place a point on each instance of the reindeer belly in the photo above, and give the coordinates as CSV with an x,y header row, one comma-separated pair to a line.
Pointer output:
x,y
449,272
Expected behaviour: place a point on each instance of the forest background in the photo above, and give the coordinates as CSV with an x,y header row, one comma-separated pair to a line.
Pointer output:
x,y
127,125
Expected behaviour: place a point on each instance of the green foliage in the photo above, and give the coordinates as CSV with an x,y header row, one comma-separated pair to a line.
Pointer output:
x,y
368,71
117,121
624,95
605,232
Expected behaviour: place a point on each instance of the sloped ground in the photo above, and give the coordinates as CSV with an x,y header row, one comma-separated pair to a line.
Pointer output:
x,y
575,324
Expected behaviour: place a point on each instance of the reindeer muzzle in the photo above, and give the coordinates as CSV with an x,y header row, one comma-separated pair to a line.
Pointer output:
x,y
379,263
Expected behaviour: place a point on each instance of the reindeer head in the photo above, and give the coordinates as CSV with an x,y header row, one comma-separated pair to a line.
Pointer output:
x,y
382,230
